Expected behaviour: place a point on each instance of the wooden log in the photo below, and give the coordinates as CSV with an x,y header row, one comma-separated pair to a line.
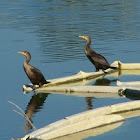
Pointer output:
x,y
85,120
126,72
94,95
130,89
130,114
84,78
91,132
133,94
81,89
128,84
79,126
112,109
100,130
72,80
84,91
126,66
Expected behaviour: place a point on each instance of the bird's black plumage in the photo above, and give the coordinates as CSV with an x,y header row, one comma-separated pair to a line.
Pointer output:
x,y
34,74
96,59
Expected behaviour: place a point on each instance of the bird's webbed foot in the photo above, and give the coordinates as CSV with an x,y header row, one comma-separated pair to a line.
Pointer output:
x,y
34,87
104,73
96,70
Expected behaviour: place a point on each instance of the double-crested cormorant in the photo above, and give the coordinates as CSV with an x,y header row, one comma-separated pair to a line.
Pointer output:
x,y
96,59
34,74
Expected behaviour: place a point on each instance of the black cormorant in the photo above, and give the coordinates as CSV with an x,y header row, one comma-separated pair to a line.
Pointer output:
x,y
34,74
96,59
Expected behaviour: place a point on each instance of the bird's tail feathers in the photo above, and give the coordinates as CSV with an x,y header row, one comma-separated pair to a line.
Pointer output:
x,y
113,67
47,82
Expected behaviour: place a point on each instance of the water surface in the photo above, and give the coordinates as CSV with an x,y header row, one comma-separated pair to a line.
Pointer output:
x,y
50,30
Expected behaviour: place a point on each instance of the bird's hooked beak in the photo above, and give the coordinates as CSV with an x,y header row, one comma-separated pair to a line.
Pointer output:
x,y
82,37
23,53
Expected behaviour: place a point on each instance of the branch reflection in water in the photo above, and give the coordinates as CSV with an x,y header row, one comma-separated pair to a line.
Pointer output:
x,y
35,105
100,82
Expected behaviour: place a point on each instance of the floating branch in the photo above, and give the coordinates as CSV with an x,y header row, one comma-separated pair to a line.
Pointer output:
x,y
22,114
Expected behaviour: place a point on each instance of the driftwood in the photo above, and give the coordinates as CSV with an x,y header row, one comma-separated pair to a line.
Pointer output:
x,y
86,120
126,66
90,132
85,91
80,126
83,78
128,84
99,130
93,119
130,89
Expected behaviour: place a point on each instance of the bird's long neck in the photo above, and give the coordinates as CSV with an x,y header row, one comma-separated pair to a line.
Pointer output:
x,y
87,47
88,44
28,58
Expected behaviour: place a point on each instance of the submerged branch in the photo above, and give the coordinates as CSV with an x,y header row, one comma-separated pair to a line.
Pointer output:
x,y
22,114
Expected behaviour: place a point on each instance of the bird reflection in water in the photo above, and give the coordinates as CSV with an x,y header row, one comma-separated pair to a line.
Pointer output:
x,y
104,82
89,103
99,82
35,105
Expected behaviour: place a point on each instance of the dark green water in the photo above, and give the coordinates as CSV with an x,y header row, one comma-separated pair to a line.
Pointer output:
x,y
50,30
